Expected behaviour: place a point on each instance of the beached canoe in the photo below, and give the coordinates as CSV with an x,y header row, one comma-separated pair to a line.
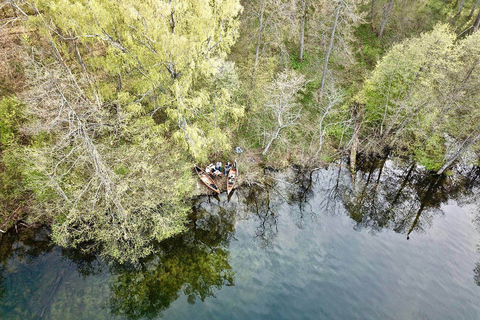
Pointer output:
x,y
207,180
232,177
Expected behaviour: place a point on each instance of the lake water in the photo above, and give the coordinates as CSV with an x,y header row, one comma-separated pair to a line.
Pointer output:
x,y
398,244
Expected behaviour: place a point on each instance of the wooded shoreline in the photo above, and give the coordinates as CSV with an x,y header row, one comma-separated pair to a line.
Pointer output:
x,y
105,105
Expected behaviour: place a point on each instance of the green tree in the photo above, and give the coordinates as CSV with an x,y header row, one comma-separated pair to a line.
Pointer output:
x,y
122,96
167,52
12,189
422,91
399,96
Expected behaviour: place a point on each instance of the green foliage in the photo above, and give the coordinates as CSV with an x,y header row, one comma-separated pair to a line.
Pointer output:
x,y
117,115
422,89
124,96
298,65
431,153
402,88
12,189
11,116
370,47
167,52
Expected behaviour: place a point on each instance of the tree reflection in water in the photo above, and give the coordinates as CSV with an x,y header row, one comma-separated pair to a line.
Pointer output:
x,y
264,204
385,195
195,264
27,246
403,199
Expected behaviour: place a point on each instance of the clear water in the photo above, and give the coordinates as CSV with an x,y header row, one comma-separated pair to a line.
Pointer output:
x,y
307,246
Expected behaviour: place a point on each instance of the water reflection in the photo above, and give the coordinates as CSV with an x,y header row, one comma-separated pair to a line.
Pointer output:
x,y
197,265
400,198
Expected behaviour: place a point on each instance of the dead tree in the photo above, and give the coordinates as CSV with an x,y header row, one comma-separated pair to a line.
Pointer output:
x,y
473,9
467,143
477,23
282,94
330,46
386,14
259,38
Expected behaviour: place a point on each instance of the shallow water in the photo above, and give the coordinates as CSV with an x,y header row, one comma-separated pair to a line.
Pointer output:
x,y
310,246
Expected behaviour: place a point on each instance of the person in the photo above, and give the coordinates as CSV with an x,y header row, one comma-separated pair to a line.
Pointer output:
x,y
227,167
210,169
219,166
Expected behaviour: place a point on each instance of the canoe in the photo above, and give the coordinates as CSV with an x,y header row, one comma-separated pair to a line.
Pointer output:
x,y
207,180
232,178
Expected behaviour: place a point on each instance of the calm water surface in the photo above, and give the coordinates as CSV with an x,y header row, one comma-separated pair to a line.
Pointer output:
x,y
398,244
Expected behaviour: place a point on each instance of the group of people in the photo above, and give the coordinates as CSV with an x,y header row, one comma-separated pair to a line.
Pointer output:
x,y
216,170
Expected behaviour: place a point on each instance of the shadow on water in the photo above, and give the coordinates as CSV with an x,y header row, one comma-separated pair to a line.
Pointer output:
x,y
385,195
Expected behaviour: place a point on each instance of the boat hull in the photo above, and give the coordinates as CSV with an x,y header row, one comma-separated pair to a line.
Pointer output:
x,y
232,178
207,180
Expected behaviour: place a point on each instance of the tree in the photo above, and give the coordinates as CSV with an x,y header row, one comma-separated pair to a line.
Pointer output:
x,y
121,99
155,53
460,6
271,21
259,38
372,13
476,24
302,29
473,9
461,106
345,18
282,102
420,92
330,45
12,189
386,14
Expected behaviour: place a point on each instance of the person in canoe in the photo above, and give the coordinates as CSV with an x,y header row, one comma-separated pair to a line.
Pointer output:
x,y
218,169
227,167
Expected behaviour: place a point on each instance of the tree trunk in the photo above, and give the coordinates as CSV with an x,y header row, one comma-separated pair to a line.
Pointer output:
x,y
385,18
458,154
460,6
473,9
372,14
302,31
330,46
355,139
477,23
423,202
275,136
259,38
320,126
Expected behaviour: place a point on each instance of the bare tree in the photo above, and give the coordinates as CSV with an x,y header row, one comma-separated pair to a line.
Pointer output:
x,y
477,23
330,46
460,6
386,14
334,98
259,38
357,117
473,9
282,95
